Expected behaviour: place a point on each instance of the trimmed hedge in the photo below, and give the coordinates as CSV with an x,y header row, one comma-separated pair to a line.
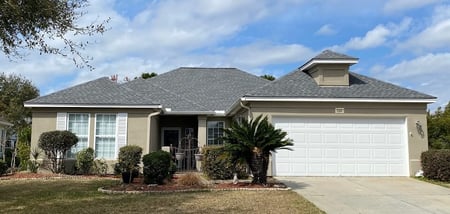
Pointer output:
x,y
157,167
436,164
217,164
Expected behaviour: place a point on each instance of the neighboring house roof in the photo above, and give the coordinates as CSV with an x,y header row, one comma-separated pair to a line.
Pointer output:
x,y
4,122
101,92
299,84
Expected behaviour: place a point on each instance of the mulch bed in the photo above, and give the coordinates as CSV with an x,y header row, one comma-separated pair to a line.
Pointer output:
x,y
139,186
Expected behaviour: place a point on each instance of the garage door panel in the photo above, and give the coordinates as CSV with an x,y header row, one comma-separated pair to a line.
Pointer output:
x,y
345,146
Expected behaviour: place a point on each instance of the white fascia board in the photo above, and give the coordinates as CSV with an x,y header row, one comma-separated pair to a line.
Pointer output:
x,y
89,106
328,61
350,100
214,113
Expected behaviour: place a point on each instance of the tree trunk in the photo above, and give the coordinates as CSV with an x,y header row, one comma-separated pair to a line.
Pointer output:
x,y
258,165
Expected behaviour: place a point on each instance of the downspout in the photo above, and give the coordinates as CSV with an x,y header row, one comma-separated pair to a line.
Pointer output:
x,y
250,116
149,125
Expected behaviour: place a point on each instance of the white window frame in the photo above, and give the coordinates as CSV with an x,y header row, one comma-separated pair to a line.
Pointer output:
x,y
115,136
207,131
66,123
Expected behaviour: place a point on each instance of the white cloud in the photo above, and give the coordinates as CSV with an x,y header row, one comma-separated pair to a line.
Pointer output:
x,y
264,53
326,30
428,73
393,6
434,37
376,36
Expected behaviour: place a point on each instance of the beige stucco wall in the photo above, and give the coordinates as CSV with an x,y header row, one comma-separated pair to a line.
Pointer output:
x,y
410,111
44,119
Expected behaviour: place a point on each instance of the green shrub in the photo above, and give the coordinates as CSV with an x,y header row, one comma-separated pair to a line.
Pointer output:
x,y
85,160
157,166
3,167
217,164
23,153
33,164
100,167
129,158
436,164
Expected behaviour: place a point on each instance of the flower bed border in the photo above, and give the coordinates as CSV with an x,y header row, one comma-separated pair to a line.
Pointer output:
x,y
106,191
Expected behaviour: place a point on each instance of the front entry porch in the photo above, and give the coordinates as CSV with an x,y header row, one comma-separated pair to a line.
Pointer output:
x,y
182,136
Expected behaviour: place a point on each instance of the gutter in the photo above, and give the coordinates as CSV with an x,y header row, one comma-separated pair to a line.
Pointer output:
x,y
355,100
250,115
89,106
149,125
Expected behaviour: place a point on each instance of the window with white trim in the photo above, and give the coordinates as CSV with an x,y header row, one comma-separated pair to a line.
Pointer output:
x,y
105,136
78,123
215,132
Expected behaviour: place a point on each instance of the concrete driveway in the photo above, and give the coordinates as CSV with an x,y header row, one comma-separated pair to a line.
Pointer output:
x,y
371,194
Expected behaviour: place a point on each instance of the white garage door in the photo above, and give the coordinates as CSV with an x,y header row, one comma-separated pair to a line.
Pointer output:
x,y
342,147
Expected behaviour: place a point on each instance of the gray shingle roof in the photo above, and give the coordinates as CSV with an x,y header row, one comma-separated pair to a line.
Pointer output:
x,y
101,91
299,84
200,89
327,54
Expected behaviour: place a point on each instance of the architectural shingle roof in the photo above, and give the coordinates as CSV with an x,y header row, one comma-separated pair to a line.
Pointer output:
x,y
299,84
327,54
101,91
193,90
203,88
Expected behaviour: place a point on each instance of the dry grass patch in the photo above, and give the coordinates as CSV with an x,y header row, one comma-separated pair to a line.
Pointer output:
x,y
81,196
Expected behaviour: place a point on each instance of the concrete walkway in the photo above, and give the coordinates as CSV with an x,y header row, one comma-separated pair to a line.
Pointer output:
x,y
371,194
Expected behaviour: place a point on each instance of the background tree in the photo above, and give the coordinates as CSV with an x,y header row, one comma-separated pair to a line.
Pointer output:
x,y
55,145
439,128
252,141
33,24
14,90
268,77
148,75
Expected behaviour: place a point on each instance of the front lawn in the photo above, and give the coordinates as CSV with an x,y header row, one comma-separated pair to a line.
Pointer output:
x,y
81,196
440,183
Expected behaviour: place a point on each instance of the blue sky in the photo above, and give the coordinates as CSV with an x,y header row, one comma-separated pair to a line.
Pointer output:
x,y
406,42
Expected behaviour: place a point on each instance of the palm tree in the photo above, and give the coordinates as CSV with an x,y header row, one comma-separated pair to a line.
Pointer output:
x,y
252,141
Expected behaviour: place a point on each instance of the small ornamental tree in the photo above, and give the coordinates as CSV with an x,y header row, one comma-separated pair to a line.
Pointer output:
x,y
55,145
252,141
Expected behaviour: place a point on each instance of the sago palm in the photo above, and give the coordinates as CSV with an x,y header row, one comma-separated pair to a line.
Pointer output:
x,y
252,141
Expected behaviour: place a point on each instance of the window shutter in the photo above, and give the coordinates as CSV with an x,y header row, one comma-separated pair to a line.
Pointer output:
x,y
121,131
61,121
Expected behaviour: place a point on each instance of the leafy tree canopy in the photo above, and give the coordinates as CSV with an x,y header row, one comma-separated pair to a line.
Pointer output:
x,y
439,128
148,75
34,24
14,90
268,77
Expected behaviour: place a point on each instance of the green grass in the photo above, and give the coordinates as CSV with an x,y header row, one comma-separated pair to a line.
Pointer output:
x,y
440,183
81,196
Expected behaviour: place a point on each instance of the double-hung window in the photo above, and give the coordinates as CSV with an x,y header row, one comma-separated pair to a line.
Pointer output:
x,y
215,132
78,123
105,136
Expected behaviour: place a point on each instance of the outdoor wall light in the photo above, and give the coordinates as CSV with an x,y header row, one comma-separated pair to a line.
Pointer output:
x,y
420,129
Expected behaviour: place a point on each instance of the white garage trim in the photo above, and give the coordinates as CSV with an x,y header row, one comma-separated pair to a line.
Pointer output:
x,y
343,146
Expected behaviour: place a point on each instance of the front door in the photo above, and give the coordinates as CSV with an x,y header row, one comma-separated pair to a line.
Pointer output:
x,y
170,136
